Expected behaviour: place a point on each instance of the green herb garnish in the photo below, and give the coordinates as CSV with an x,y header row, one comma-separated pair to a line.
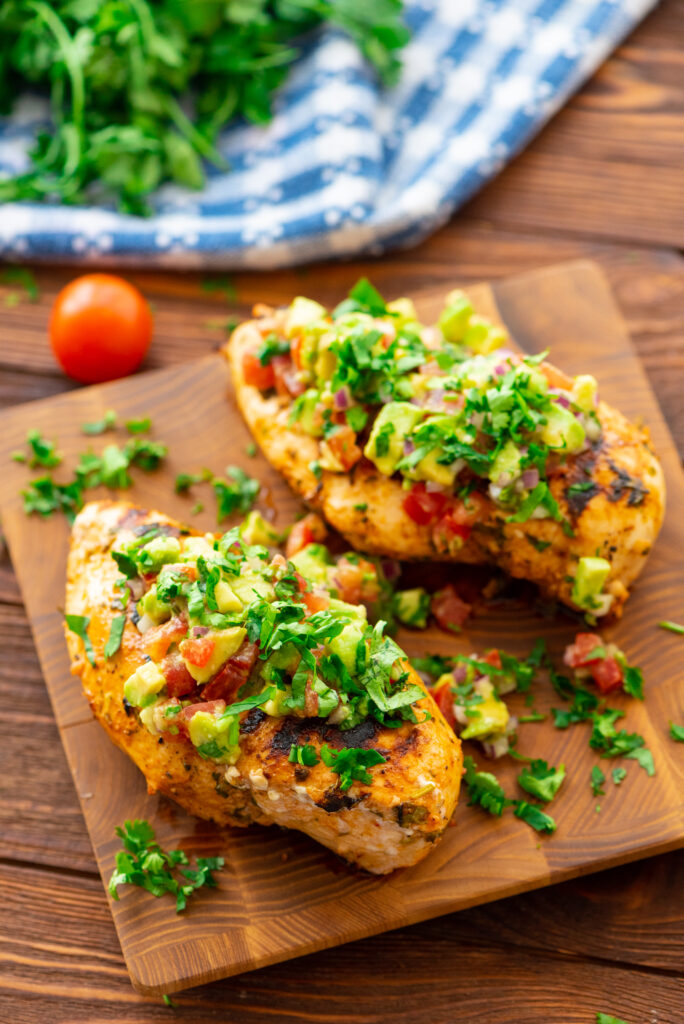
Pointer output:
x,y
672,627
139,426
237,494
116,631
108,422
597,780
677,732
44,452
303,754
142,862
78,624
351,763
540,780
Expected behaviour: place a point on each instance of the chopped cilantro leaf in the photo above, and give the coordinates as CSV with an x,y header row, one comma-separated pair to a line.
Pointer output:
x,y
24,277
247,703
145,453
78,624
115,634
434,665
108,422
251,449
351,763
184,481
677,732
44,497
44,452
644,757
541,780
271,346
597,780
605,1018
142,862
363,298
537,544
618,775
633,682
139,426
533,816
237,494
168,1001
484,789
303,754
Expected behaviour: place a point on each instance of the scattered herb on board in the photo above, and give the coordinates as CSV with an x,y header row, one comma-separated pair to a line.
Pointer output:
x,y
139,426
672,627
21,276
540,780
122,76
677,732
605,1018
485,791
597,780
237,494
108,422
43,452
142,862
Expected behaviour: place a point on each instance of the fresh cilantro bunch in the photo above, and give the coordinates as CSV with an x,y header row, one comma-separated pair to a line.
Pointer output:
x,y
140,89
142,862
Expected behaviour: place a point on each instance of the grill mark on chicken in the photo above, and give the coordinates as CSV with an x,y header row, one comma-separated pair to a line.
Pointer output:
x,y
299,731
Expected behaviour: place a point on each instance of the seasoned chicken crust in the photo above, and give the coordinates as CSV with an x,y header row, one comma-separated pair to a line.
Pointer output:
x,y
617,516
392,822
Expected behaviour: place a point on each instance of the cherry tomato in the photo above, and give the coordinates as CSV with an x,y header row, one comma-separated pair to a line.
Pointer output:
x,y
493,658
100,328
607,674
449,609
587,648
424,506
256,375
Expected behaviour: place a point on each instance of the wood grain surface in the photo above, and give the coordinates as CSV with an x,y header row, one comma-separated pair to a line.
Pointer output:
x,y
612,941
282,895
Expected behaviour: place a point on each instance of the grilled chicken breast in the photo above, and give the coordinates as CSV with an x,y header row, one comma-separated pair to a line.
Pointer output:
x,y
607,497
390,820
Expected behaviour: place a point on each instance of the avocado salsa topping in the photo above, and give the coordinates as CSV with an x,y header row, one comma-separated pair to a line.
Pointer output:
x,y
456,415
229,626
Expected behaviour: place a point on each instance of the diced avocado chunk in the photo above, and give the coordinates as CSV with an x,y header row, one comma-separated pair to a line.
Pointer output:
x,y
313,562
590,578
149,604
584,391
215,736
328,699
412,607
492,714
301,313
483,337
455,317
354,611
226,643
251,585
193,547
255,530
161,551
304,413
429,468
345,644
562,430
226,599
507,461
276,706
393,424
326,361
404,310
141,689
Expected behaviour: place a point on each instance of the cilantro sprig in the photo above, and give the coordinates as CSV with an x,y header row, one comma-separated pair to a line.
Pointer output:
x,y
121,76
485,791
144,863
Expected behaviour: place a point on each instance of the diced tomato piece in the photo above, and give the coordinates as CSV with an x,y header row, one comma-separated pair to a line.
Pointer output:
x,y
212,707
296,349
587,649
179,682
424,506
198,650
493,658
315,602
287,382
444,699
308,530
256,375
343,447
158,639
356,581
607,674
232,675
448,608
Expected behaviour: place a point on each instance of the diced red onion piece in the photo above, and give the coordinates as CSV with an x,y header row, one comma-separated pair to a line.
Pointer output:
x,y
530,478
409,446
391,569
460,673
341,398
432,487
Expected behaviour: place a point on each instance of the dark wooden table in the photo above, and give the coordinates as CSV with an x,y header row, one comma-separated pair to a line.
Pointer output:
x,y
604,180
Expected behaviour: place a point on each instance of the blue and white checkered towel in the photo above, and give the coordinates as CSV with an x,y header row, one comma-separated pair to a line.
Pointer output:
x,y
345,167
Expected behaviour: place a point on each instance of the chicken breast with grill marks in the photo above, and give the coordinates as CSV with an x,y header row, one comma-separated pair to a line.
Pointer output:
x,y
604,502
390,820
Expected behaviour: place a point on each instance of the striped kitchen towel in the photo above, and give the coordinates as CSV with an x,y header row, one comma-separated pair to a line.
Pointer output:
x,y
347,168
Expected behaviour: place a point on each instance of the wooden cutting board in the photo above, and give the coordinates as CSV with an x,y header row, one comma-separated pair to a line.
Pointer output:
x,y
280,894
